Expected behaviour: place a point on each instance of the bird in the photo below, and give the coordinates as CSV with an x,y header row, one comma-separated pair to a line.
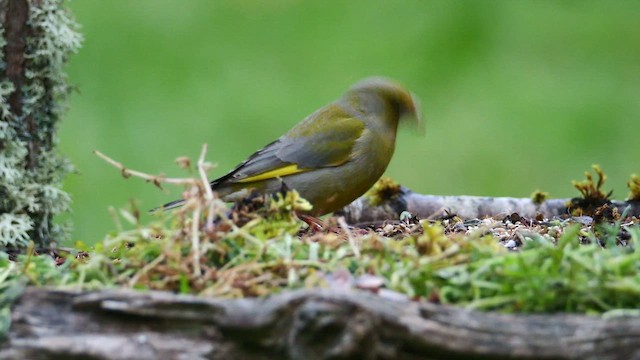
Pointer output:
x,y
332,156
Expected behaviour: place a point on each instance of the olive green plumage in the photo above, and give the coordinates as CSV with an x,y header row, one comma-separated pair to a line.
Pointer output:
x,y
334,155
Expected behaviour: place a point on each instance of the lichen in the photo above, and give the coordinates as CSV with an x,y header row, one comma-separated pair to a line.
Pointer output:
x,y
56,38
6,88
14,229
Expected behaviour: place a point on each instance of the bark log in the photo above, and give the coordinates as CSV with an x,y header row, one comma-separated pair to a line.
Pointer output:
x,y
467,207
317,324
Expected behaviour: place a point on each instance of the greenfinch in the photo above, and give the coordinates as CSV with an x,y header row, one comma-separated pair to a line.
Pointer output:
x,y
331,157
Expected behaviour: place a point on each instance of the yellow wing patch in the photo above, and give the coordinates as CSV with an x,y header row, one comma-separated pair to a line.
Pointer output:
x,y
279,172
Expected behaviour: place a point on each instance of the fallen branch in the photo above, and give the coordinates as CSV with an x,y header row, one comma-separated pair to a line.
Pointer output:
x,y
466,207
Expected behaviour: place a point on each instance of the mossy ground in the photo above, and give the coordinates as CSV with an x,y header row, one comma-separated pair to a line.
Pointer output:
x,y
260,247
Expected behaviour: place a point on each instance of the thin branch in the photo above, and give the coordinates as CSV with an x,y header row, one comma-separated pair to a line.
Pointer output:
x,y
208,193
195,240
146,269
155,179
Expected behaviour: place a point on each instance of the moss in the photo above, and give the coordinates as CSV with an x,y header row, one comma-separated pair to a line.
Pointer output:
x,y
383,190
259,247
538,197
593,196
634,188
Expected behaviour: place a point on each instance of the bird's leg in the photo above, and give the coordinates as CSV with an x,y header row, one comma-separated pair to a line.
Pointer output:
x,y
314,223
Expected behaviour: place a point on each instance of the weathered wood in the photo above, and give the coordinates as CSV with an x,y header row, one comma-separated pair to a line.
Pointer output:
x,y
467,207
314,324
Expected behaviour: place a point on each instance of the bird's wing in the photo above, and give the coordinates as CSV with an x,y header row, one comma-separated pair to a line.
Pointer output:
x,y
326,138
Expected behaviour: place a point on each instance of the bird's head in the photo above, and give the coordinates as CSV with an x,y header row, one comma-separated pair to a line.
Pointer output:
x,y
397,103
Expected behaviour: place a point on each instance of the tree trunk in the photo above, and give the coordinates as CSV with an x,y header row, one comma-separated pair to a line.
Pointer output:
x,y
37,37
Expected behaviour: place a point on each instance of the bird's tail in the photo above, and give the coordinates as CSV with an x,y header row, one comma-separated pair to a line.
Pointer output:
x,y
168,206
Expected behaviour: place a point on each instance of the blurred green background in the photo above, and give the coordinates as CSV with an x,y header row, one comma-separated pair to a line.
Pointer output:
x,y
517,95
